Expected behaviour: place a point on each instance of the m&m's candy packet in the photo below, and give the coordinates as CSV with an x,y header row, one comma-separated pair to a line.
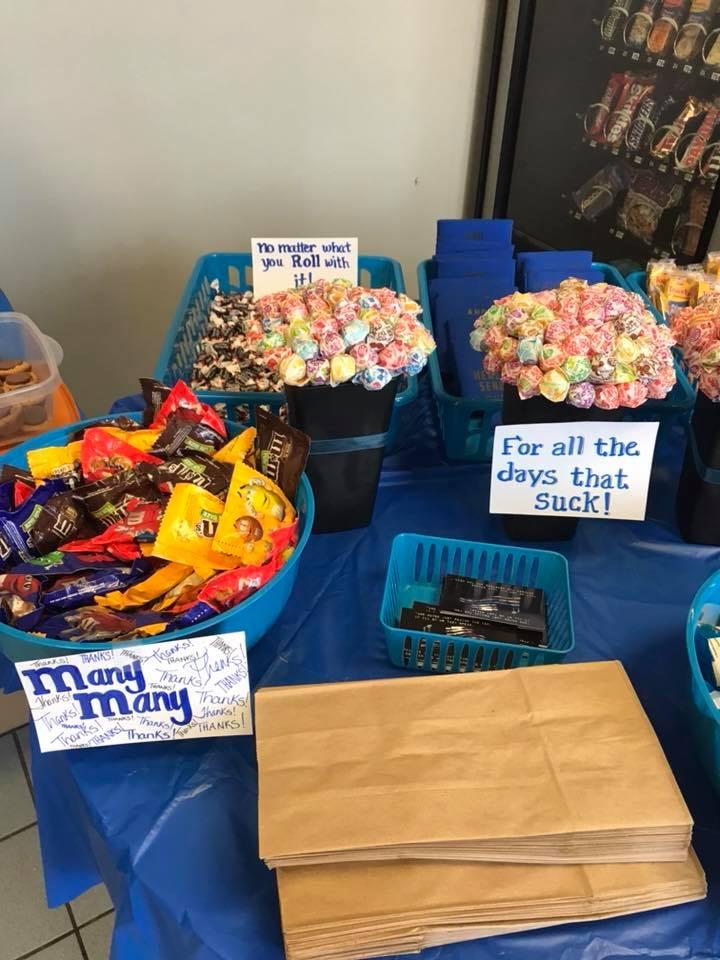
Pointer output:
x,y
130,530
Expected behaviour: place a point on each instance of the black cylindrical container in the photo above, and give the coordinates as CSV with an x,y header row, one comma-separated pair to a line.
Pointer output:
x,y
539,410
698,496
347,427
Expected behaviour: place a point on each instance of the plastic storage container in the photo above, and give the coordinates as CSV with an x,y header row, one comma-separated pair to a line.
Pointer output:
x,y
26,408
415,572
702,623
255,615
467,424
234,272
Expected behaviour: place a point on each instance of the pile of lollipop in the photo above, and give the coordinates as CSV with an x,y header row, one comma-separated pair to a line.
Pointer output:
x,y
584,345
331,332
697,331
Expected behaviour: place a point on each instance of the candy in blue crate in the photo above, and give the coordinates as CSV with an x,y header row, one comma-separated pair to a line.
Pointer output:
x,y
115,536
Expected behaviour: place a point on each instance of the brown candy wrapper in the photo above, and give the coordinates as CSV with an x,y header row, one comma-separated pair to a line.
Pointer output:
x,y
640,24
598,113
686,237
666,144
646,201
282,452
198,469
601,190
634,91
154,394
695,149
15,473
121,423
107,500
184,435
58,521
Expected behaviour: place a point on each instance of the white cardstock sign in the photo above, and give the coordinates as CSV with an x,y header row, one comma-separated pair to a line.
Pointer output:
x,y
279,264
196,687
593,470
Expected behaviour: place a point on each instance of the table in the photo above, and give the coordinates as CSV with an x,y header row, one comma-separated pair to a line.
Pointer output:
x,y
172,829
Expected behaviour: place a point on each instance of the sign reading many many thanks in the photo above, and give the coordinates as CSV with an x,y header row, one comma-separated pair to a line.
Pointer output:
x,y
190,688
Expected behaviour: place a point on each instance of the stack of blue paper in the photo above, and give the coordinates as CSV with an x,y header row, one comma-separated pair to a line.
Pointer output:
x,y
473,265
546,270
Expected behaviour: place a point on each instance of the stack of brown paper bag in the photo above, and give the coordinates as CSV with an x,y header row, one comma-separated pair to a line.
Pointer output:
x,y
552,772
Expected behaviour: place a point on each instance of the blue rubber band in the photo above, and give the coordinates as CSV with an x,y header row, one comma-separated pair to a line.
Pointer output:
x,y
349,444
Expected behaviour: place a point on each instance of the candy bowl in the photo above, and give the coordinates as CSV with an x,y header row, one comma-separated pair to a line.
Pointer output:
x,y
254,615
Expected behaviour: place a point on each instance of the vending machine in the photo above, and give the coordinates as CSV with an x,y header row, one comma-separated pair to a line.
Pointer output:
x,y
606,130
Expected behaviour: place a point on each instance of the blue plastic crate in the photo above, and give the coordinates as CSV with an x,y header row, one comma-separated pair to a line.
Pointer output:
x,y
415,572
467,425
255,615
234,273
702,623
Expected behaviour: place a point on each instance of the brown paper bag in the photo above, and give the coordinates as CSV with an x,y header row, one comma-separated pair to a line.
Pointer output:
x,y
546,764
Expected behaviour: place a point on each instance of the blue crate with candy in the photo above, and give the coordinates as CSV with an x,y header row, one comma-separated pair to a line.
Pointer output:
x,y
231,273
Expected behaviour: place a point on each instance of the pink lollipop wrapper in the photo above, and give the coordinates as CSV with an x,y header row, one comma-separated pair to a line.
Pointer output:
x,y
331,344
382,332
394,356
606,397
492,364
511,371
324,327
528,383
632,394
364,355
551,357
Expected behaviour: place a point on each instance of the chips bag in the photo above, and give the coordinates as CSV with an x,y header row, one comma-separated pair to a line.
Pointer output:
x,y
188,528
254,508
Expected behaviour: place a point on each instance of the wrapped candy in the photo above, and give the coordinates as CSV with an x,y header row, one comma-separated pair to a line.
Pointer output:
x,y
581,395
334,332
607,397
565,344
697,330
342,368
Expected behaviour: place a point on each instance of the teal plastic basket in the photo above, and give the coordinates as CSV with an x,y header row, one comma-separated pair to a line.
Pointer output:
x,y
415,572
702,623
467,425
234,273
255,616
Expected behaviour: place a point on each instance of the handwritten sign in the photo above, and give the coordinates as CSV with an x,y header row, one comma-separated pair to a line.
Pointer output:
x,y
279,264
595,470
196,687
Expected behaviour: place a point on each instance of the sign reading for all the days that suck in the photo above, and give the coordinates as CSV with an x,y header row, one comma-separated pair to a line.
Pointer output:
x,y
190,688
594,470
279,264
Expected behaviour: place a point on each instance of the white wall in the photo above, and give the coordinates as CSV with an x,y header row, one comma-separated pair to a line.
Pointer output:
x,y
139,134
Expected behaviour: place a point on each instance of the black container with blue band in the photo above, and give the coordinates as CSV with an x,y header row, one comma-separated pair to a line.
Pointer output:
x,y
698,498
347,426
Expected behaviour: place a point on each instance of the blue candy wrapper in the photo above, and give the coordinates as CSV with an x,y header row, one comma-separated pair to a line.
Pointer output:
x,y
59,564
82,589
91,624
195,614
16,526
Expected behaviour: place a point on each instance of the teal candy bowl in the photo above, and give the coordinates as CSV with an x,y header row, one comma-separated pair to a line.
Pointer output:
x,y
255,615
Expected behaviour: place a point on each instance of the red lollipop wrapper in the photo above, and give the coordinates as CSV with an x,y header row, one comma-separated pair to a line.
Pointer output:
x,y
607,397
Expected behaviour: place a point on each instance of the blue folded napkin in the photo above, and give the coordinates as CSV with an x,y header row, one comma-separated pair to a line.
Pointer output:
x,y
468,234
455,304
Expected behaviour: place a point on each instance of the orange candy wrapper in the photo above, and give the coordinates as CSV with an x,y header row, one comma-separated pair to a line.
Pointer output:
x,y
240,449
147,590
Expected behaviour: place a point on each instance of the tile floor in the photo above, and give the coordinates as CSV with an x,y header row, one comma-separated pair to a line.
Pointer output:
x,y
78,931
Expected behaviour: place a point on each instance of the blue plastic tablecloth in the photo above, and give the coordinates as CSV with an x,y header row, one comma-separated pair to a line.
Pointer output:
x,y
171,828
